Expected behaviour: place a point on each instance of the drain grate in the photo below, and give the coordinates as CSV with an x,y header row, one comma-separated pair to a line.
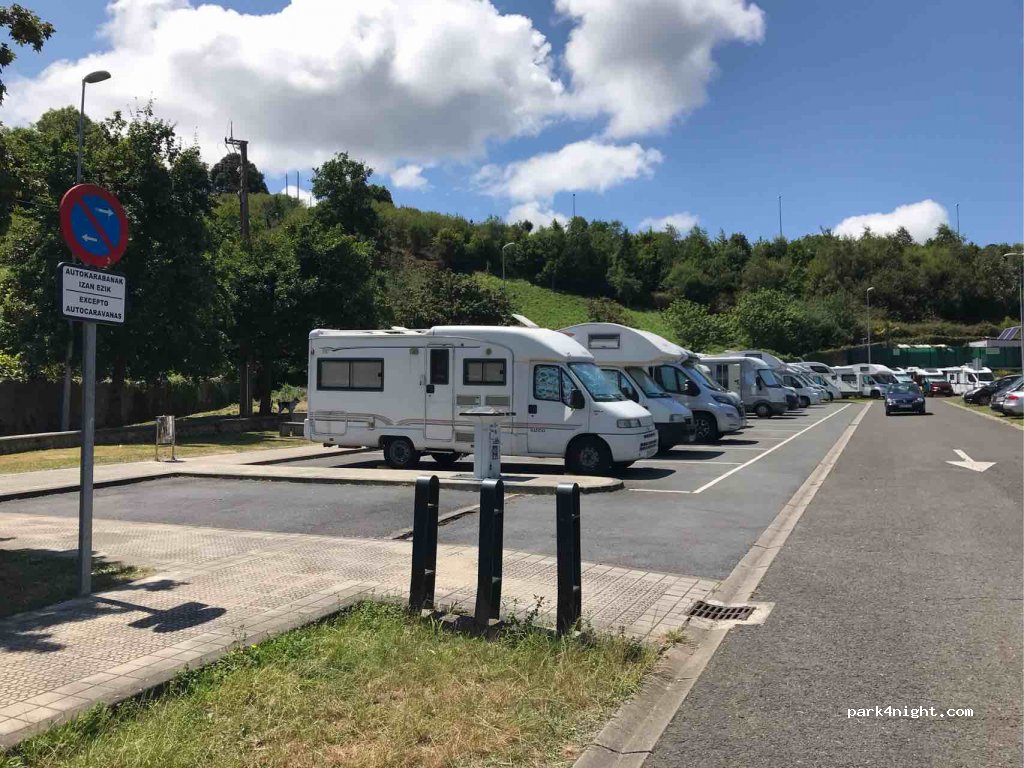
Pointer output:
x,y
702,610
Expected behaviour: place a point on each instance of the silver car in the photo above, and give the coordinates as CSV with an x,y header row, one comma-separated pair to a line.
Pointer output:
x,y
1013,403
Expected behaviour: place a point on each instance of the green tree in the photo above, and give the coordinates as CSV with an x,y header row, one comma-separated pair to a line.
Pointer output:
x,y
449,248
602,310
429,297
345,197
696,328
770,319
24,28
226,176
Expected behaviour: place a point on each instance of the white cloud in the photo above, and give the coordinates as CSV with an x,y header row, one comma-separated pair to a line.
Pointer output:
x,y
919,219
389,81
409,177
644,62
303,194
536,213
584,165
681,222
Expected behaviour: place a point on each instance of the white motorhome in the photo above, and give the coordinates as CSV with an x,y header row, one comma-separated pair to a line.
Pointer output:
x,y
964,378
828,388
807,393
408,392
866,379
715,410
753,380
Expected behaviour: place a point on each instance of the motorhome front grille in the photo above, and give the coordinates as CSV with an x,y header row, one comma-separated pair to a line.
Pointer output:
x,y
702,610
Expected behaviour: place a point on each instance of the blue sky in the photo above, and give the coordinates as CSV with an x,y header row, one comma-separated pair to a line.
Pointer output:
x,y
844,109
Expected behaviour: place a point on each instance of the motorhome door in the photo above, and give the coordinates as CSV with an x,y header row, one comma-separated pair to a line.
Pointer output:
x,y
553,423
439,408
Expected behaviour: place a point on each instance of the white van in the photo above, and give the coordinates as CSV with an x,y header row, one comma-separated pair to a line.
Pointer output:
x,y
866,379
753,380
715,410
821,376
807,394
964,378
406,392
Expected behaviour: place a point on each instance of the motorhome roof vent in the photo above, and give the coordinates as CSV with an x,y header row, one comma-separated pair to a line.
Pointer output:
x,y
702,610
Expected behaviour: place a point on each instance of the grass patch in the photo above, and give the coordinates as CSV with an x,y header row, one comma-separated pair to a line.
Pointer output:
x,y
552,309
33,578
1013,421
372,688
197,445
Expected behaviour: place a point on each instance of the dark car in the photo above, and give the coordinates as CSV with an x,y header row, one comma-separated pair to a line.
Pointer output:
x,y
904,398
935,384
983,395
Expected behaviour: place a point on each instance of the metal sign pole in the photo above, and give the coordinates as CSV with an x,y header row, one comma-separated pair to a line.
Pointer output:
x,y
88,440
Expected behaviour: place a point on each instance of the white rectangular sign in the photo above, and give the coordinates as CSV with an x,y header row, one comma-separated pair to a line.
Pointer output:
x,y
89,294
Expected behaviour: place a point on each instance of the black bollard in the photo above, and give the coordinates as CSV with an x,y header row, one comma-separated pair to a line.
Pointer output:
x,y
570,578
424,544
488,580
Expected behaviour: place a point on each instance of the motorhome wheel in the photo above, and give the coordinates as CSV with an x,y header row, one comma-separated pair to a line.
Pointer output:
x,y
763,411
588,456
804,401
707,427
400,453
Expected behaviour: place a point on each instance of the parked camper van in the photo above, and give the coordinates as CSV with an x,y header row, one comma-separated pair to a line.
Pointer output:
x,y
807,393
822,381
753,380
715,410
964,378
867,379
407,392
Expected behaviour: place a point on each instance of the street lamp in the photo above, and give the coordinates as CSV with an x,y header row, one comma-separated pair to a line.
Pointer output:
x,y
1020,333
503,249
65,406
868,294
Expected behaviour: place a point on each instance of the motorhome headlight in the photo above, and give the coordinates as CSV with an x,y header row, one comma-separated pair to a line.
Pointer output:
x,y
628,423
723,399
674,417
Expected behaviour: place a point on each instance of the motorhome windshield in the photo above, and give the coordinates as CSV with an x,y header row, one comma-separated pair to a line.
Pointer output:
x,y
697,375
767,378
597,384
646,383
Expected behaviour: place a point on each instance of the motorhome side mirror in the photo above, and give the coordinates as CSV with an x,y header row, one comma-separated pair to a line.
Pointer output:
x,y
760,385
633,395
576,401
692,389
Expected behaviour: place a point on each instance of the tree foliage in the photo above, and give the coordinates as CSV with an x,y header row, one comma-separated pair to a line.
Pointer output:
x,y
24,28
226,175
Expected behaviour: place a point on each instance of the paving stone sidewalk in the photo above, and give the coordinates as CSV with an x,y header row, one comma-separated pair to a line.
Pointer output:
x,y
215,589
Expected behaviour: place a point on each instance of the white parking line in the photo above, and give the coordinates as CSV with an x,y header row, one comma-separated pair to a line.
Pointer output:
x,y
746,464
671,462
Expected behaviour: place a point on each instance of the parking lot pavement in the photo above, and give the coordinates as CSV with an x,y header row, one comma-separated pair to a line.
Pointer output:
x,y
335,510
659,522
901,586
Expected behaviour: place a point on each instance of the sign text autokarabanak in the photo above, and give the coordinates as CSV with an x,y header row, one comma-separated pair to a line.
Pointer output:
x,y
88,294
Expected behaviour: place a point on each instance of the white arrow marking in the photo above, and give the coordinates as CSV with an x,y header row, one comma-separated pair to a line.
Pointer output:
x,y
89,239
968,463
105,211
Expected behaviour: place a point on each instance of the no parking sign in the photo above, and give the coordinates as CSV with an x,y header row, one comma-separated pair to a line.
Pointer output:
x,y
94,225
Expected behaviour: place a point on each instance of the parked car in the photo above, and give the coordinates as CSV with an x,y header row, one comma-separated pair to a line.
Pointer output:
x,y
996,403
934,384
904,398
983,395
1013,403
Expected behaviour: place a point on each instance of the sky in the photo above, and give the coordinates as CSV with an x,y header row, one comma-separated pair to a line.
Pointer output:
x,y
650,112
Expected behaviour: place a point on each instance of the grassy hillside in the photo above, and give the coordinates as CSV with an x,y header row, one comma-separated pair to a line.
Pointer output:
x,y
552,309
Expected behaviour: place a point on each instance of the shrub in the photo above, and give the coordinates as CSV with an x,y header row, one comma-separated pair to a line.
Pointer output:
x,y
606,311
696,328
427,297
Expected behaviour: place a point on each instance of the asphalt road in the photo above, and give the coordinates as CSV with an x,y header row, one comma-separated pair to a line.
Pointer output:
x,y
900,586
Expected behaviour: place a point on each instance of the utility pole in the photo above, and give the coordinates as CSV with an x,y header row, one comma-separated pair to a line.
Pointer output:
x,y
958,221
244,374
868,294
780,216
574,205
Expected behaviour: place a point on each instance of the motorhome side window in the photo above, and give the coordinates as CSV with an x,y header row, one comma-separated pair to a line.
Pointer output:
x,y
348,374
666,377
850,378
552,383
438,366
488,373
603,341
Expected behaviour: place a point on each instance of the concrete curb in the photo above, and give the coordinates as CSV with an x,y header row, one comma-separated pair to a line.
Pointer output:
x,y
631,735
1004,420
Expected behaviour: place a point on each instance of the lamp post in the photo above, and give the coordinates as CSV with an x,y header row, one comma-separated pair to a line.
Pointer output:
x,y
1021,332
868,294
65,404
503,249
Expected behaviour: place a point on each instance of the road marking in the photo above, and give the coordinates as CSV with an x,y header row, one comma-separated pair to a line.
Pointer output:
x,y
760,456
670,462
968,463
655,490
